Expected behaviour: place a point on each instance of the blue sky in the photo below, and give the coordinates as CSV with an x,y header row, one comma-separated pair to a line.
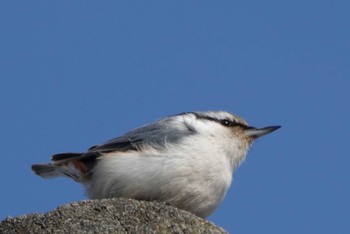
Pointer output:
x,y
77,73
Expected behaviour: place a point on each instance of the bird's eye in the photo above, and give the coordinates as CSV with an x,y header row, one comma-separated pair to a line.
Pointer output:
x,y
226,123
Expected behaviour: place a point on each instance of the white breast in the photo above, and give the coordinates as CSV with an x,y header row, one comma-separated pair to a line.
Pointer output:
x,y
191,176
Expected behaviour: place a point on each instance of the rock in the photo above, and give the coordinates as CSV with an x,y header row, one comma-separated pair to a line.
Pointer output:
x,y
117,215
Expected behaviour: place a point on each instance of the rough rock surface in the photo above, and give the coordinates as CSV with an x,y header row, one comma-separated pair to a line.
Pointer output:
x,y
110,216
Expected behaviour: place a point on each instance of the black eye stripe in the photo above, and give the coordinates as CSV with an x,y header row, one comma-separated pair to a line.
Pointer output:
x,y
227,122
224,122
230,123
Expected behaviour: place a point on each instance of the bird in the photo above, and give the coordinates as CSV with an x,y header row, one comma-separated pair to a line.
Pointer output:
x,y
186,160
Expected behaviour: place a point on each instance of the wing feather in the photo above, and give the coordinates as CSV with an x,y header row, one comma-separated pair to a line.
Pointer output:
x,y
155,135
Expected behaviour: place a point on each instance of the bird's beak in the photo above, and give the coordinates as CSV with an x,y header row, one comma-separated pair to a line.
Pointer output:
x,y
258,132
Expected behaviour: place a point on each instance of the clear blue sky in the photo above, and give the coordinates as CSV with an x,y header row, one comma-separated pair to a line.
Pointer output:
x,y
77,73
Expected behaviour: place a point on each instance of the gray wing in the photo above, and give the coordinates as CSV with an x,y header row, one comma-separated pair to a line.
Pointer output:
x,y
154,135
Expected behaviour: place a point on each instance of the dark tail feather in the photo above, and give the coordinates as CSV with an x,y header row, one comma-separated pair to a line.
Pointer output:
x,y
64,156
74,165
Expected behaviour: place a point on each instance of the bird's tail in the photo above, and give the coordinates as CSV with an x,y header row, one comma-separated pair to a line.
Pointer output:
x,y
64,165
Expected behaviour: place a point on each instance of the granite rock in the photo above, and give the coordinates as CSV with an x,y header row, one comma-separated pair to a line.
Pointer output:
x,y
117,215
